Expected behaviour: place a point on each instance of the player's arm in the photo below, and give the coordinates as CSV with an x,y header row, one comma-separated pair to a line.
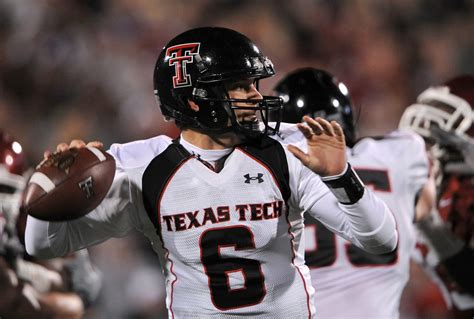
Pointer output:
x,y
110,219
60,305
74,273
21,300
367,223
350,209
455,256
8,286
426,199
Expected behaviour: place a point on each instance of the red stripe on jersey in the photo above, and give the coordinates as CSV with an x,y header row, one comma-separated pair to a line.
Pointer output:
x,y
293,262
289,229
158,205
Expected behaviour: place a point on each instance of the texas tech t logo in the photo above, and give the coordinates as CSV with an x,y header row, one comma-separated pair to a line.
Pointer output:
x,y
180,55
87,187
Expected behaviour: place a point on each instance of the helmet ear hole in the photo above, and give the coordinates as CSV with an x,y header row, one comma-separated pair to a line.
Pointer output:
x,y
213,114
193,106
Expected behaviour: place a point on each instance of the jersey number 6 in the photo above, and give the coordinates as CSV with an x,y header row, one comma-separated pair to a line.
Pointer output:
x,y
219,269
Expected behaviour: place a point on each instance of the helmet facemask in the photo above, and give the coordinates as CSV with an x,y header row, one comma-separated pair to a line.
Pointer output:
x,y
438,107
219,113
435,108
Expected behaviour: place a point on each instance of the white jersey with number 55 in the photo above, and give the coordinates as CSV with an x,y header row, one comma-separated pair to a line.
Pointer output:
x,y
370,286
348,282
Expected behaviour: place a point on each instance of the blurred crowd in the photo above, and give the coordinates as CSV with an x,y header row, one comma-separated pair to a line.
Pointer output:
x,y
83,69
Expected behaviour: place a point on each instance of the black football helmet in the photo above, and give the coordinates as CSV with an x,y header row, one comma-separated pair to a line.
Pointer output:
x,y
314,92
195,66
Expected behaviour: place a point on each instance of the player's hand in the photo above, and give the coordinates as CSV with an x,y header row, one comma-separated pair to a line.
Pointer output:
x,y
326,146
461,143
61,147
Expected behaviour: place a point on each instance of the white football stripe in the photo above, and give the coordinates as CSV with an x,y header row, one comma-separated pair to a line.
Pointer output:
x,y
42,181
97,153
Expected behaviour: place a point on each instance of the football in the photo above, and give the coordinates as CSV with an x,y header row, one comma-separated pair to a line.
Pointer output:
x,y
69,184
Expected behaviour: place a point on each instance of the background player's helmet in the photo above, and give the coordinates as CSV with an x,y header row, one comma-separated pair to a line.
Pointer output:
x,y
444,116
12,181
442,111
313,92
448,107
196,64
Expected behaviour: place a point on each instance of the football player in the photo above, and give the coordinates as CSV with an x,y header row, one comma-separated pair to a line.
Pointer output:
x,y
30,289
444,116
222,204
395,166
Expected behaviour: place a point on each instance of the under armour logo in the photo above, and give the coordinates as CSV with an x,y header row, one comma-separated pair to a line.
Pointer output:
x,y
87,187
258,178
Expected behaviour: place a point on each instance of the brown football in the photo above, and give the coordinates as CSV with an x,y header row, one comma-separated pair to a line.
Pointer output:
x,y
69,184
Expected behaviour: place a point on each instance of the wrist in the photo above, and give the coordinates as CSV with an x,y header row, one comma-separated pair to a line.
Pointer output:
x,y
333,177
347,187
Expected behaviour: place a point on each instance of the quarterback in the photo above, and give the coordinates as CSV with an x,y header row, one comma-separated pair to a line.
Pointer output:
x,y
222,205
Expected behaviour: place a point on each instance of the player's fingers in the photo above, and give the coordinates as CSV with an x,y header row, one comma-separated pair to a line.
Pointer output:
x,y
314,125
299,154
61,147
77,144
328,129
307,132
337,129
46,154
96,144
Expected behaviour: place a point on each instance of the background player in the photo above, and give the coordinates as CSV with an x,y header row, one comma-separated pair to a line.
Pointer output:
x,y
444,115
395,166
61,288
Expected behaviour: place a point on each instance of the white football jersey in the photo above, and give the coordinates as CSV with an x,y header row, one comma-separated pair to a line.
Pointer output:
x,y
348,282
230,243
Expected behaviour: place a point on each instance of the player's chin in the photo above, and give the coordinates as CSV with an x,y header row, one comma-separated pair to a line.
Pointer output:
x,y
250,124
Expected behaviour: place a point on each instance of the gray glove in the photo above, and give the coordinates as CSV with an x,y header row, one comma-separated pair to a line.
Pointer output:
x,y
462,144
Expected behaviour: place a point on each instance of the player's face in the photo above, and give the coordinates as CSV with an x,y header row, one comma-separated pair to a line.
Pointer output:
x,y
244,89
